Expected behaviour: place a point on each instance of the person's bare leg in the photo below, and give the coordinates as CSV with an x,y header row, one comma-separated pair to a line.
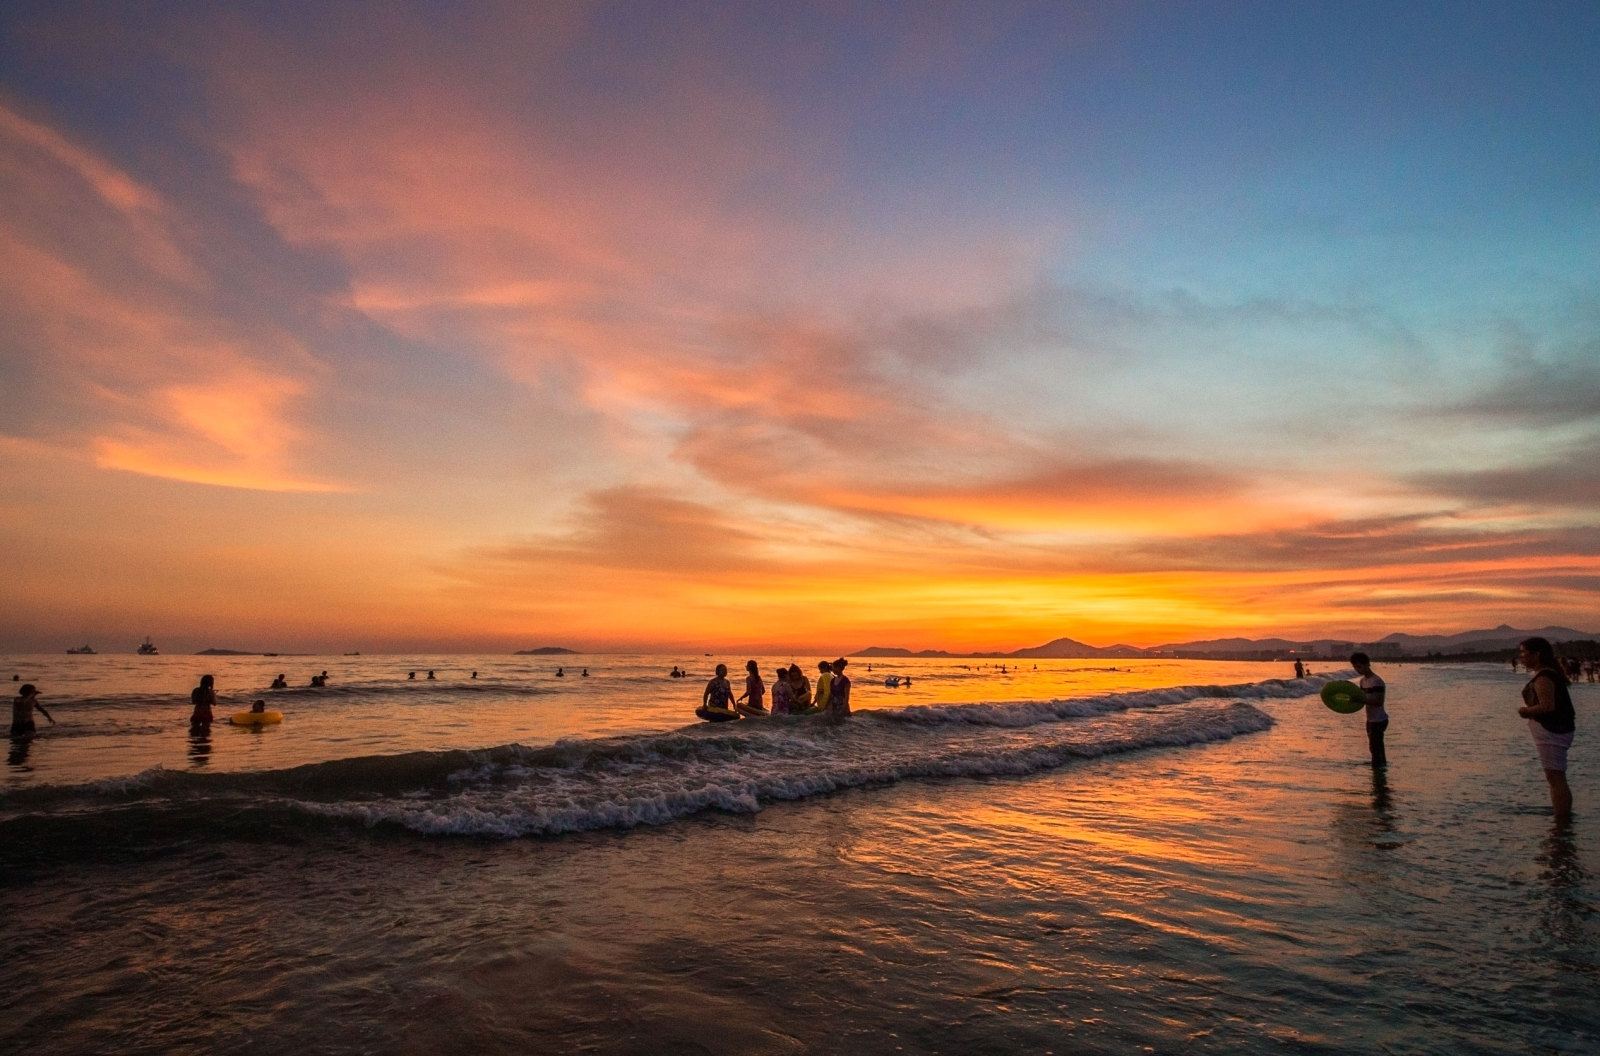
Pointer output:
x,y
1560,795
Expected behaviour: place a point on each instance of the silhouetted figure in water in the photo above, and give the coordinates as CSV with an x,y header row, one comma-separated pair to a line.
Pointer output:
x,y
258,708
1299,669
411,677
281,682
561,672
431,678
318,681
839,691
675,672
22,724
474,675
1547,705
204,698
1377,715
586,672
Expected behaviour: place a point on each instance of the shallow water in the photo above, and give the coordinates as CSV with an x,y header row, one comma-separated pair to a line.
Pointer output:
x,y
1124,872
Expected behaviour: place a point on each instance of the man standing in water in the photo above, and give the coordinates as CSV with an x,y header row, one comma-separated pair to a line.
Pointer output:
x,y
1377,716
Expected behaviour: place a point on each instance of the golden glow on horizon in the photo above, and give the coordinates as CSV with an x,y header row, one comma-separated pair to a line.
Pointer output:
x,y
428,360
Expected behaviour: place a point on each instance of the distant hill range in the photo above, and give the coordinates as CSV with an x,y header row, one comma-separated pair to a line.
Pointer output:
x,y
546,650
1501,637
230,652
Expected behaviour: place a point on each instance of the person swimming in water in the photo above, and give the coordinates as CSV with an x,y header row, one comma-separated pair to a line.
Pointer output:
x,y
281,682
22,724
431,677
561,672
204,698
258,707
411,676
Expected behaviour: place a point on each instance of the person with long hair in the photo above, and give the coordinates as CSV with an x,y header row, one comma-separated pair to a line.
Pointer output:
x,y
755,691
1547,705
204,698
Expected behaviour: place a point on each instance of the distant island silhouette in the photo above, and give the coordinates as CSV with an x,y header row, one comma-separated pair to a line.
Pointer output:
x,y
546,650
1466,643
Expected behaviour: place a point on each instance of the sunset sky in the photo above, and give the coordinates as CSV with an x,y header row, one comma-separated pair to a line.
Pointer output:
x,y
795,326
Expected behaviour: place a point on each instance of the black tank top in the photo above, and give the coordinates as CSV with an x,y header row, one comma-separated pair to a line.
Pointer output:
x,y
1562,720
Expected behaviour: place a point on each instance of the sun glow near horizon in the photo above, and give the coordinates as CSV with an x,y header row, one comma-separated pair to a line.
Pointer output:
x,y
356,341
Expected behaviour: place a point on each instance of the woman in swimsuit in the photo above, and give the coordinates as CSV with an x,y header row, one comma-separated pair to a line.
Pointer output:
x,y
1547,705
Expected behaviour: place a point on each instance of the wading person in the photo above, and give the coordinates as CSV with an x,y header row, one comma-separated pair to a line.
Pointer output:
x,y
1547,705
1377,715
204,698
22,724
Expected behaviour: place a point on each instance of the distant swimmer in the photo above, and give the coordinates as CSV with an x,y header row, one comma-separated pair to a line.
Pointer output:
x,y
204,698
1299,669
755,691
585,672
411,676
258,707
430,676
318,681
280,682
839,691
22,724
677,673
906,681
561,672
474,674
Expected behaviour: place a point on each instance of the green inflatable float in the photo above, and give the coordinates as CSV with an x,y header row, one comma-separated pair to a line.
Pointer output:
x,y
1344,697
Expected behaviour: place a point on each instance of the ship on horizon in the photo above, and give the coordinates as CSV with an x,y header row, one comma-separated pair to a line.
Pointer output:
x,y
148,648
82,650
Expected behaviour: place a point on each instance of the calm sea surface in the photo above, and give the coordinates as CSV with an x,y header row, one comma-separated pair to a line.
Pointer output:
x,y
1088,857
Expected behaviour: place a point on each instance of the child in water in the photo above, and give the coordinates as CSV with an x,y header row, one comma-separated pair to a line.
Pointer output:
x,y
22,724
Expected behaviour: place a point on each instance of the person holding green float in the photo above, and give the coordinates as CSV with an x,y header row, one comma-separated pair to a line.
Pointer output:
x,y
1374,690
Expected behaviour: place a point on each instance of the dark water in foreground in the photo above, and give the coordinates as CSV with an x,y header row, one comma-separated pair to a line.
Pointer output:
x,y
1182,873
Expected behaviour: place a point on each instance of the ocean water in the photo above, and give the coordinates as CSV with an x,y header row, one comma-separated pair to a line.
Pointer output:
x,y
1087,857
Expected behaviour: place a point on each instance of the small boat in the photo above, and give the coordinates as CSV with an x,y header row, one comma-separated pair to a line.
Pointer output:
x,y
82,650
148,648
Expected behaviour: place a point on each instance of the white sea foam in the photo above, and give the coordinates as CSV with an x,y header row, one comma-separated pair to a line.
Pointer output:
x,y
661,781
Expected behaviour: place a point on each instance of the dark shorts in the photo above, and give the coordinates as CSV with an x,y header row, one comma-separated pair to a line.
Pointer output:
x,y
23,729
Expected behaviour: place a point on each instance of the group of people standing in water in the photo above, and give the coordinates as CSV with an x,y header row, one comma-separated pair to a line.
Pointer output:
x,y
792,693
